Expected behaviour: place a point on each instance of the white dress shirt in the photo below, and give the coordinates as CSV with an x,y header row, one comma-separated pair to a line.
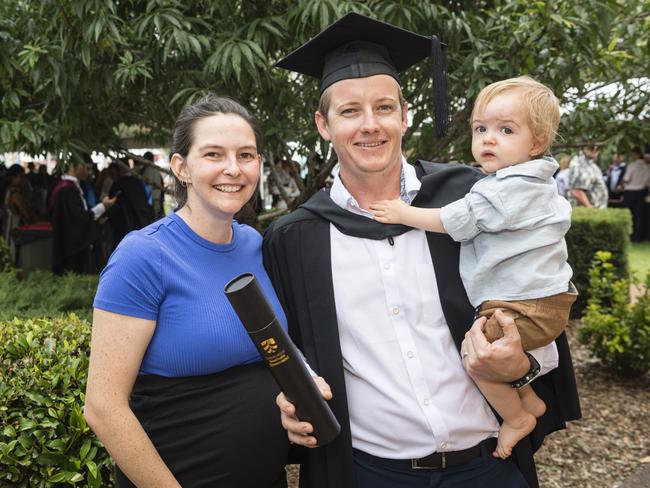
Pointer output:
x,y
637,176
408,393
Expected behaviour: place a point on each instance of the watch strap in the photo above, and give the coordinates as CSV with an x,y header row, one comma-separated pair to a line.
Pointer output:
x,y
530,375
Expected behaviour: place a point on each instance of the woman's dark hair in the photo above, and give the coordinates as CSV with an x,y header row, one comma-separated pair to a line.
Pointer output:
x,y
13,171
183,136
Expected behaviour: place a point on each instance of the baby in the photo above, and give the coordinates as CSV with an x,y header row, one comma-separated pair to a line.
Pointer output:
x,y
511,227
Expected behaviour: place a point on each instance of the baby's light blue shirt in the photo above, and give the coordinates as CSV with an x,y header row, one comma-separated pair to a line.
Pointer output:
x,y
511,227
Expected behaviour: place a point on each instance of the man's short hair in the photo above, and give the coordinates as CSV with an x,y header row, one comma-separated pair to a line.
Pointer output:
x,y
541,105
324,102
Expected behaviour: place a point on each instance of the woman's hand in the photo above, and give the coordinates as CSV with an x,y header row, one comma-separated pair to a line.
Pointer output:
x,y
297,431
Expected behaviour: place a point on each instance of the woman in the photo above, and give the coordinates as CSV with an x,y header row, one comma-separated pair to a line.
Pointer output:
x,y
18,209
202,406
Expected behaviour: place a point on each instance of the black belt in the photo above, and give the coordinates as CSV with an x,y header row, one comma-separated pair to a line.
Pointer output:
x,y
439,460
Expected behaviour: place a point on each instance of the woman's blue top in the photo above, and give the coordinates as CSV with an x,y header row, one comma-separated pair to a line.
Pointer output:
x,y
168,273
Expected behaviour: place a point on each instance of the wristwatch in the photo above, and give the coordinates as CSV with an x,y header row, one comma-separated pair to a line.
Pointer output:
x,y
530,375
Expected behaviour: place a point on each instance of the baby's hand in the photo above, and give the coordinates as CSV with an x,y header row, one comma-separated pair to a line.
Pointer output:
x,y
388,211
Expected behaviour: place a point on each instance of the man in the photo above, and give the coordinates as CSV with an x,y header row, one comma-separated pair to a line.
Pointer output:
x,y
73,222
586,180
152,177
635,188
132,210
614,177
379,311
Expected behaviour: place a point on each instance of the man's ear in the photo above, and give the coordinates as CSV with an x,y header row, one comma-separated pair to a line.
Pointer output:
x,y
321,125
405,118
179,168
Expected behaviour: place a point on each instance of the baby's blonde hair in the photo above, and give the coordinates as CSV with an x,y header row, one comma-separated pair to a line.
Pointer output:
x,y
541,105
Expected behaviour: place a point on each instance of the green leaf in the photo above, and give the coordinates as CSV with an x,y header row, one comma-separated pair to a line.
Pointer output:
x,y
248,53
324,16
74,477
196,45
36,397
236,61
51,459
612,44
26,441
85,55
268,25
12,98
84,449
99,24
173,20
257,50
58,444
58,477
92,468
25,424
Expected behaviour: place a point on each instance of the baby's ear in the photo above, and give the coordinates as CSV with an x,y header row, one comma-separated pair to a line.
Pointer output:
x,y
535,148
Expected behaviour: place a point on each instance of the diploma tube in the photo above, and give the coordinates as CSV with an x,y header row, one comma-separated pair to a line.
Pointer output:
x,y
281,356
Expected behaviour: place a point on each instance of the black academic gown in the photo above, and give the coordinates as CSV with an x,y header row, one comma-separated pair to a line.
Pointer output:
x,y
297,257
73,231
131,211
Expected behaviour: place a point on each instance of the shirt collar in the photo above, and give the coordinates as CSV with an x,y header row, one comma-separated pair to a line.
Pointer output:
x,y
537,168
70,178
409,187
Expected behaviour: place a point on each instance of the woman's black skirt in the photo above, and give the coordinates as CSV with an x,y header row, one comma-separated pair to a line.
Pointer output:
x,y
220,430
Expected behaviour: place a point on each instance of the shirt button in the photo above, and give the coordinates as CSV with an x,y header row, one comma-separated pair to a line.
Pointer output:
x,y
386,265
443,445
395,310
425,402
410,354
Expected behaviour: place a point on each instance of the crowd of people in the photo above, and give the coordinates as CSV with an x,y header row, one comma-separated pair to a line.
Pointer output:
x,y
89,211
624,183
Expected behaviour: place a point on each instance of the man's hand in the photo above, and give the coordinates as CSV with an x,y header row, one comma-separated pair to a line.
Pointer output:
x,y
109,202
388,211
297,431
501,361
581,197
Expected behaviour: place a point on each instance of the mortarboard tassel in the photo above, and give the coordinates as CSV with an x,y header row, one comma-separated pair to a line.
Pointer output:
x,y
439,78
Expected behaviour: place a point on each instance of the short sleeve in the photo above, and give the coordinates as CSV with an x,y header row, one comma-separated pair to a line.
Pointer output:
x,y
577,176
476,212
131,283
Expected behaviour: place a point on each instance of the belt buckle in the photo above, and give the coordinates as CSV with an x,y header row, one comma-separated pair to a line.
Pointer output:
x,y
415,465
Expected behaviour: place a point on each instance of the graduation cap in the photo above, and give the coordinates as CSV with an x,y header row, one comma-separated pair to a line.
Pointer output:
x,y
357,46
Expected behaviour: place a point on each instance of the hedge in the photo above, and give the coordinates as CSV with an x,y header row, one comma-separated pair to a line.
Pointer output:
x,y
43,294
594,230
615,330
45,440
5,256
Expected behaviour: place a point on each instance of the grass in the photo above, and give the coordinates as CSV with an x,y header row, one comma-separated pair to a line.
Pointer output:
x,y
640,259
44,294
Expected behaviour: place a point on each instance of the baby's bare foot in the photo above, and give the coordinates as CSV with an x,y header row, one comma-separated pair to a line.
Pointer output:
x,y
512,432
